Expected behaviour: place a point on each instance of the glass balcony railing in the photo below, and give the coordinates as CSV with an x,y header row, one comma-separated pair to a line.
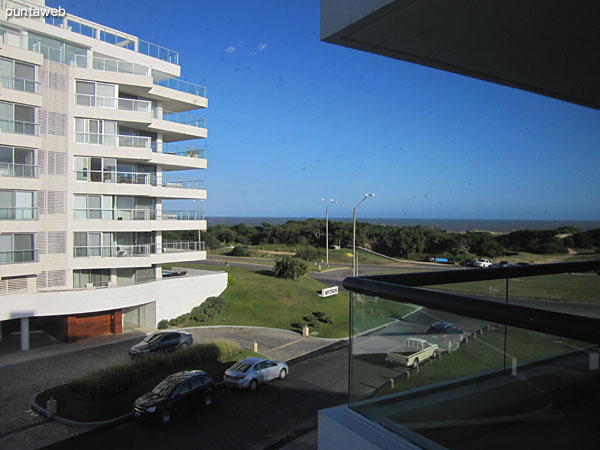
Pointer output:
x,y
19,213
19,170
134,214
182,86
116,65
126,104
180,150
19,127
450,358
181,118
20,84
123,251
172,182
119,177
19,256
120,140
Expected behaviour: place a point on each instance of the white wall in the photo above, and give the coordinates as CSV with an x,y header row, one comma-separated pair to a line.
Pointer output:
x,y
173,296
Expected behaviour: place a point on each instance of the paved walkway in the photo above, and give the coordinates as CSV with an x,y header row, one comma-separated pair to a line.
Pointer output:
x,y
24,374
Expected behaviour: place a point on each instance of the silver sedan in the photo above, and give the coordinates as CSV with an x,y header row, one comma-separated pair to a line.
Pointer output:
x,y
249,372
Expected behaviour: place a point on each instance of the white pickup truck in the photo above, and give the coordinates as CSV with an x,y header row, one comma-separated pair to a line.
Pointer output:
x,y
412,352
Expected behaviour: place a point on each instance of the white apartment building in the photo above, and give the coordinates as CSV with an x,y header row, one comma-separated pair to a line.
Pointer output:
x,y
93,124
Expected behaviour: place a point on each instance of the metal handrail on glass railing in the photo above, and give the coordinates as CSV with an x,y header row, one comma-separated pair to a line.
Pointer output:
x,y
126,104
19,127
115,214
176,214
172,182
182,246
182,86
19,213
180,150
122,140
119,177
114,251
20,84
19,256
120,66
181,118
19,170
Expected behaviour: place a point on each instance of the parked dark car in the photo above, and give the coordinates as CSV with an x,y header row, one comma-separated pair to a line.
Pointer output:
x,y
445,334
468,263
174,394
161,341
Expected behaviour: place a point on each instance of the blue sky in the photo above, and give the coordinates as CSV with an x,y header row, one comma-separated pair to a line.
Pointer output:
x,y
292,119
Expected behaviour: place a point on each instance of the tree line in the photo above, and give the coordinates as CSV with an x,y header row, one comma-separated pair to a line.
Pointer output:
x,y
406,241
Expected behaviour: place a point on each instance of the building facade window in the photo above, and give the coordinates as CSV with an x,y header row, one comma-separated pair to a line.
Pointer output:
x,y
110,245
20,119
95,131
17,205
17,247
18,76
90,93
17,162
96,277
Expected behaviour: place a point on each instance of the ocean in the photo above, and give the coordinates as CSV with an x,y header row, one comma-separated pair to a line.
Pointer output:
x,y
445,224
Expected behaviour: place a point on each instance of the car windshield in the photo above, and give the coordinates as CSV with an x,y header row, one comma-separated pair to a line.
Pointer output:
x,y
152,337
240,367
164,388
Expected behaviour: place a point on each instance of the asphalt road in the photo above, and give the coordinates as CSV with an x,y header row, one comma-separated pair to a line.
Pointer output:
x,y
276,412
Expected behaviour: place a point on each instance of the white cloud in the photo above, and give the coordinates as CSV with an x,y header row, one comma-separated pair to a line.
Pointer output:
x,y
230,49
261,47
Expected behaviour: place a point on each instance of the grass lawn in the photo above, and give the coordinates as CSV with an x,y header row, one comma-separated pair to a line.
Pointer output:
x,y
258,298
73,405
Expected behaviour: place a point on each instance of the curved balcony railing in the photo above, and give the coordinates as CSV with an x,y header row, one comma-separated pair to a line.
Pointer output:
x,y
176,214
180,150
19,170
19,213
181,118
19,256
20,84
182,86
172,182
19,127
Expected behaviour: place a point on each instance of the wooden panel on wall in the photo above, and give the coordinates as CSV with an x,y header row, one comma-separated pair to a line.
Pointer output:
x,y
94,324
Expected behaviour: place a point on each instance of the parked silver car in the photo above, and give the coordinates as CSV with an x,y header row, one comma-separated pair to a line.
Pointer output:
x,y
249,372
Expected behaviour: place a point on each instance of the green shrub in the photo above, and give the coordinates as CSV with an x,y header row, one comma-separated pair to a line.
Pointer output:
x,y
163,324
240,250
173,322
117,379
290,267
322,316
230,280
307,254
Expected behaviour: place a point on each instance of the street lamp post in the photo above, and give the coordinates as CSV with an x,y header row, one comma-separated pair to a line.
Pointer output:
x,y
354,262
327,204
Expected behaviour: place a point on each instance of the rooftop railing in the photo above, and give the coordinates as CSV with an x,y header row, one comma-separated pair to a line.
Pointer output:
x,y
90,29
182,118
524,340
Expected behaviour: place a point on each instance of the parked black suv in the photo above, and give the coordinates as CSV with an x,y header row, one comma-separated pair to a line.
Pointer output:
x,y
161,341
175,394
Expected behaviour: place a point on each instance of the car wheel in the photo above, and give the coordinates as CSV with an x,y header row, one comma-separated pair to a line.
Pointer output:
x,y
282,374
184,345
253,385
165,417
436,355
207,400
415,364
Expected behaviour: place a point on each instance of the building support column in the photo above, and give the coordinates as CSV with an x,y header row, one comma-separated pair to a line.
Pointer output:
x,y
25,333
0,331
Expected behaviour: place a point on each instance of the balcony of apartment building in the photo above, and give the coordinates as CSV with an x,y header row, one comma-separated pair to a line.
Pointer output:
x,y
18,82
19,125
18,211
115,176
127,213
520,366
178,156
178,126
18,254
18,169
96,250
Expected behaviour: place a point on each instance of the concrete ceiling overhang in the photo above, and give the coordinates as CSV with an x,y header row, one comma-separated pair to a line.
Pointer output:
x,y
550,47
